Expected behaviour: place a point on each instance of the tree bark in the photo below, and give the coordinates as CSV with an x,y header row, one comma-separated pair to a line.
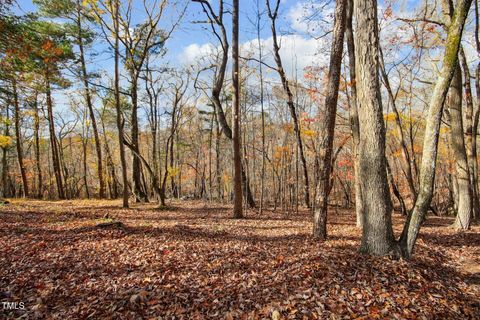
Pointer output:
x,y
36,125
262,107
464,191
476,119
354,113
85,166
326,138
377,233
18,136
53,139
469,133
139,192
237,155
118,107
432,130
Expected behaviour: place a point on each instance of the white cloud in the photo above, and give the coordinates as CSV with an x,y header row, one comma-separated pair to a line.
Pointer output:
x,y
297,52
312,18
194,52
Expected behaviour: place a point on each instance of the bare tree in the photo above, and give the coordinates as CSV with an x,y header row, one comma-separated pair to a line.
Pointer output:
x,y
273,14
326,138
218,28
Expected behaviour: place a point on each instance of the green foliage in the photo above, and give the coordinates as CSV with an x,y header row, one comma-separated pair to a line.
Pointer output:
x,y
32,45
67,9
55,8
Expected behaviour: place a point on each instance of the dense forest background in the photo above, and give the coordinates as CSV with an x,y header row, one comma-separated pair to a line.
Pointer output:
x,y
312,107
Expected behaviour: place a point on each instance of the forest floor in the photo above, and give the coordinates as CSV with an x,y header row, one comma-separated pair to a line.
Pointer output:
x,y
65,260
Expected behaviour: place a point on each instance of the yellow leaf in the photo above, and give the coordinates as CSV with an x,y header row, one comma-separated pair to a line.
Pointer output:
x,y
5,141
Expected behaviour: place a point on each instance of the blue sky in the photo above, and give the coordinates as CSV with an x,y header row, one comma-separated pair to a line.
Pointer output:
x,y
190,36
299,49
190,32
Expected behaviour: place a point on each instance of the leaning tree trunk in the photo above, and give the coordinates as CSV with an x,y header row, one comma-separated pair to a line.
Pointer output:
x,y
326,139
432,130
377,236
464,191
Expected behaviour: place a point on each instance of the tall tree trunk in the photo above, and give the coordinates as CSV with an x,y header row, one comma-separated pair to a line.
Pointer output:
x,y
18,137
476,118
237,154
218,85
326,139
377,235
139,192
354,113
464,192
262,175
469,134
432,130
286,87
53,139
88,99
153,104
36,125
118,107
